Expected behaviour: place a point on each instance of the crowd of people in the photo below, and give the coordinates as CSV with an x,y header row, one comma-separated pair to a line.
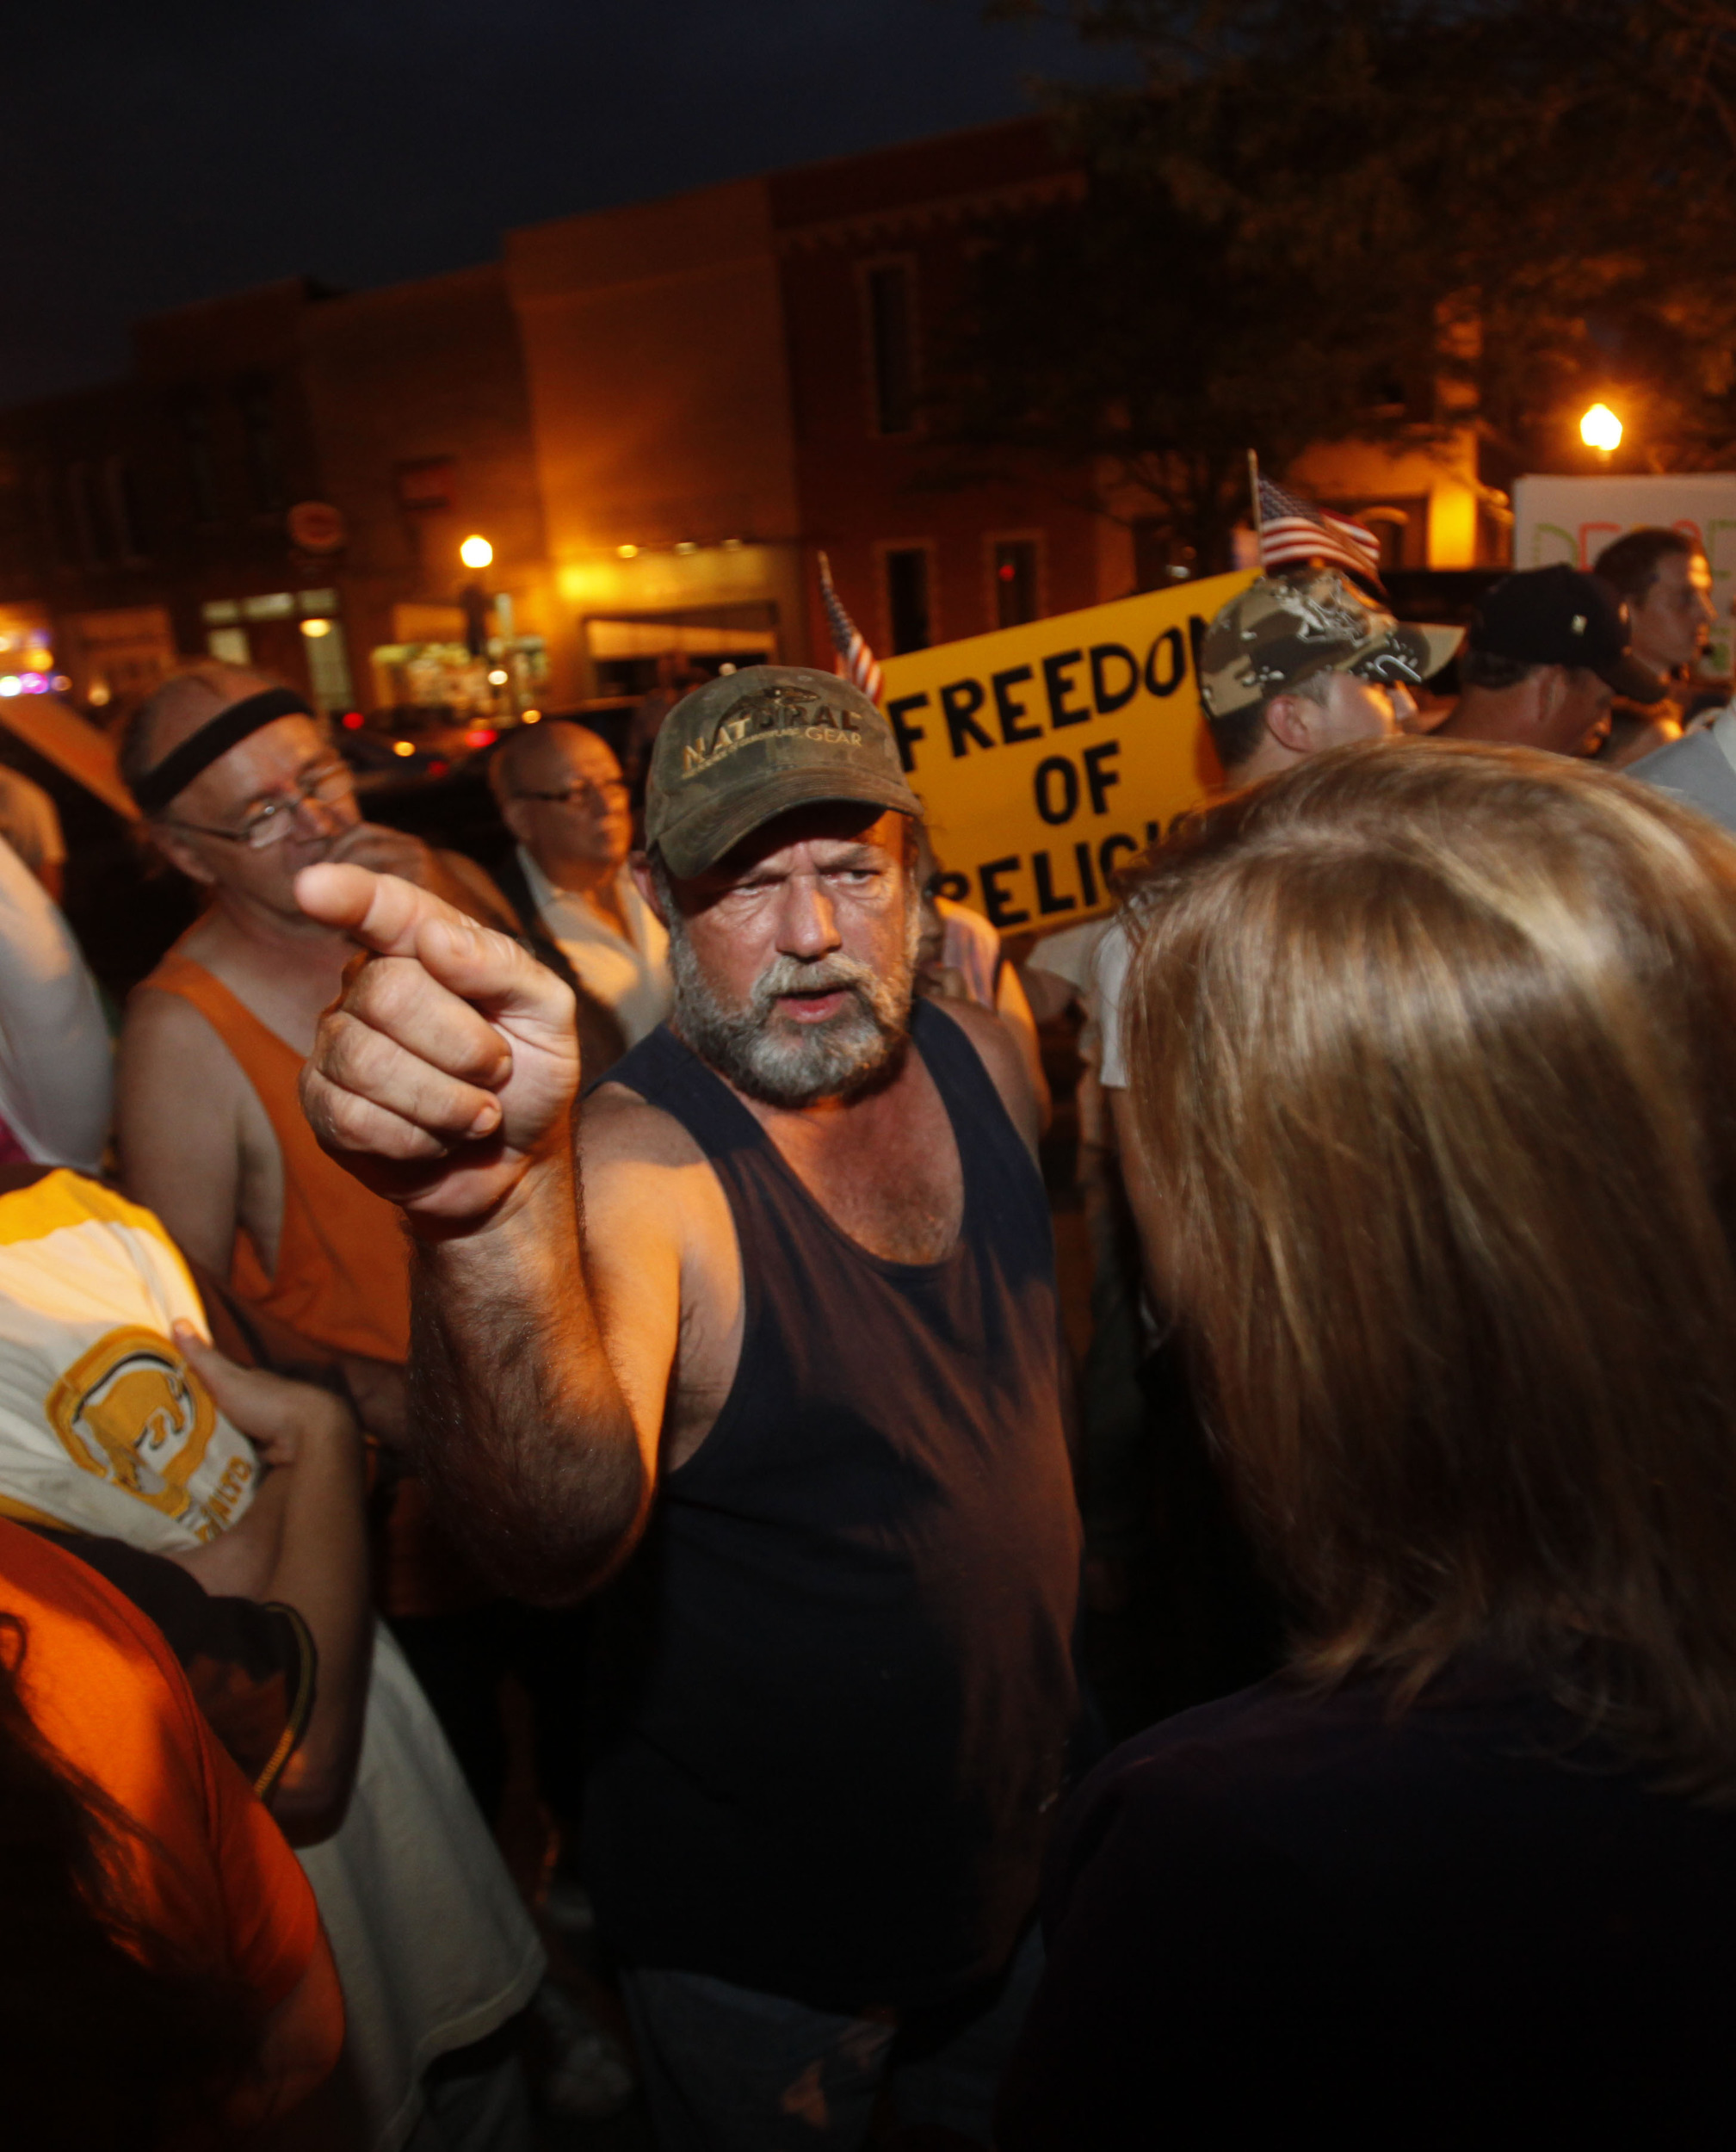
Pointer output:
x,y
622,1280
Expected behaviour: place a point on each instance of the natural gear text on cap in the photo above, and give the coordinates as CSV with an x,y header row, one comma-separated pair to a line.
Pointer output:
x,y
750,745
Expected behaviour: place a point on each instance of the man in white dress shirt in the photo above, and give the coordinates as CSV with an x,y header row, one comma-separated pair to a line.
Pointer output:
x,y
561,793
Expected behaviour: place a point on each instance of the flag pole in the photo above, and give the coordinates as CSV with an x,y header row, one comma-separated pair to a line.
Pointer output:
x,y
1254,491
829,598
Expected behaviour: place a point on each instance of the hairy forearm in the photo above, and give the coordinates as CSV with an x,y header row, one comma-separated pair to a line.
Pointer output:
x,y
521,1431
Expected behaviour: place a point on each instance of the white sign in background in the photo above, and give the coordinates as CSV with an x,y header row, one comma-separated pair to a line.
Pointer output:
x,y
1573,519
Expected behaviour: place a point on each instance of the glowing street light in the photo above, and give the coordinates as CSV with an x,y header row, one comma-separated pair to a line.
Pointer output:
x,y
1601,428
476,552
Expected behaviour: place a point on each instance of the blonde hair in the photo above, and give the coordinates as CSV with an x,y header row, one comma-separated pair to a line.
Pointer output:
x,y
1432,1052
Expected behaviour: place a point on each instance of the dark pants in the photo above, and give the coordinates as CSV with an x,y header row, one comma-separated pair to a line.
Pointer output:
x,y
729,2069
461,1660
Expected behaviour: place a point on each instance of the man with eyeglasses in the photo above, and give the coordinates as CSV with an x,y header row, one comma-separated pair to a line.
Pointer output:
x,y
561,793
241,788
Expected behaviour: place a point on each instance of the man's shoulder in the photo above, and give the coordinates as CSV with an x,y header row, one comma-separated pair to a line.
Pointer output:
x,y
986,1030
618,1128
159,1013
201,970
1002,1060
650,1190
173,1046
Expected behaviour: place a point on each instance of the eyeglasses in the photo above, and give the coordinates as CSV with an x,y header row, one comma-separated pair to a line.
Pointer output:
x,y
612,792
330,784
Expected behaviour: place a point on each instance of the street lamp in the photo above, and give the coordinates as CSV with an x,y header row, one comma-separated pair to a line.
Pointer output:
x,y
476,551
1601,428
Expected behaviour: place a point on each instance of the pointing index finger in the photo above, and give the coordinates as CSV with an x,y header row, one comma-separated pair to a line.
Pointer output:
x,y
391,917
382,911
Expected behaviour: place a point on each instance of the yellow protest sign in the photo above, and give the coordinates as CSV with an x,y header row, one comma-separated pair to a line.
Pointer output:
x,y
1047,754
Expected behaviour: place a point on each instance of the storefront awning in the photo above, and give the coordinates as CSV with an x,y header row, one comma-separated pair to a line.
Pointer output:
x,y
713,629
71,743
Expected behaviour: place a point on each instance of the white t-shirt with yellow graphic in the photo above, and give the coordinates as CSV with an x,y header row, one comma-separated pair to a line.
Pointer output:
x,y
103,1426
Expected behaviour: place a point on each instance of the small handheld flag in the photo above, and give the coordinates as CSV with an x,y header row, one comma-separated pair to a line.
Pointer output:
x,y
1292,529
856,663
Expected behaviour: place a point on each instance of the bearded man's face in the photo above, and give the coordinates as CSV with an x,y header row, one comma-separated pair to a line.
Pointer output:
x,y
794,960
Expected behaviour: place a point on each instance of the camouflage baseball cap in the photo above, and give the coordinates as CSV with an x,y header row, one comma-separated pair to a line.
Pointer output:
x,y
751,744
1285,628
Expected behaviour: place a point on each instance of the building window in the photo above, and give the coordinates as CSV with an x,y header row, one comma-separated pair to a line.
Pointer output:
x,y
1494,536
908,608
328,665
122,491
1013,564
892,345
230,644
87,530
51,523
259,421
201,474
1391,527
428,486
1401,526
1159,556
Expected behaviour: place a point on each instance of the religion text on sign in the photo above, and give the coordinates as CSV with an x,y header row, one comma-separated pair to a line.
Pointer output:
x,y
1048,755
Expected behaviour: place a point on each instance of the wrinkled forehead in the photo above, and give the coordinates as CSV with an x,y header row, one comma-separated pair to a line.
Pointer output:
x,y
266,761
554,756
815,838
585,753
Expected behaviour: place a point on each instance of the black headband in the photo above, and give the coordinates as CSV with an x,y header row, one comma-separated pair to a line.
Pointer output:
x,y
157,787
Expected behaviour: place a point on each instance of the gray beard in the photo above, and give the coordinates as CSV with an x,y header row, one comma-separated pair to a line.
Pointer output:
x,y
782,1063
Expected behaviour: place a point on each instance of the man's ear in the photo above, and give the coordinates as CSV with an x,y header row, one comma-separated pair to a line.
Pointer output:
x,y
645,883
1290,720
1549,686
515,814
178,852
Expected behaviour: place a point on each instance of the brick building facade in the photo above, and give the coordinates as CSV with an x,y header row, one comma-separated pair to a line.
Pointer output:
x,y
657,415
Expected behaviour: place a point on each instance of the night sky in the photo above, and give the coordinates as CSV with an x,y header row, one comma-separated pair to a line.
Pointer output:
x,y
157,154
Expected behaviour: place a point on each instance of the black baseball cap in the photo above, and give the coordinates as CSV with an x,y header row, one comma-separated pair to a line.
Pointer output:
x,y
752,745
1558,616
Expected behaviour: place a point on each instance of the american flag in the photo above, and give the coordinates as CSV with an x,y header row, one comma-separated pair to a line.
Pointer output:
x,y
1292,529
856,663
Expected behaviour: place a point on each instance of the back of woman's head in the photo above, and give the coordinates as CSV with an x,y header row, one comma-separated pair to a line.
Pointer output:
x,y
1433,1059
110,2040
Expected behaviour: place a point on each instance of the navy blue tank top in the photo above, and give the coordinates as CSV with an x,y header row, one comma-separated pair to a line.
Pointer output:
x,y
834,1687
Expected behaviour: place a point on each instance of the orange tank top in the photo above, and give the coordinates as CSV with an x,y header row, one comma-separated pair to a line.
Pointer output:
x,y
343,1275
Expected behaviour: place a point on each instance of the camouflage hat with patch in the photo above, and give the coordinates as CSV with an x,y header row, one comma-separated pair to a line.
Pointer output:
x,y
752,745
1286,629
